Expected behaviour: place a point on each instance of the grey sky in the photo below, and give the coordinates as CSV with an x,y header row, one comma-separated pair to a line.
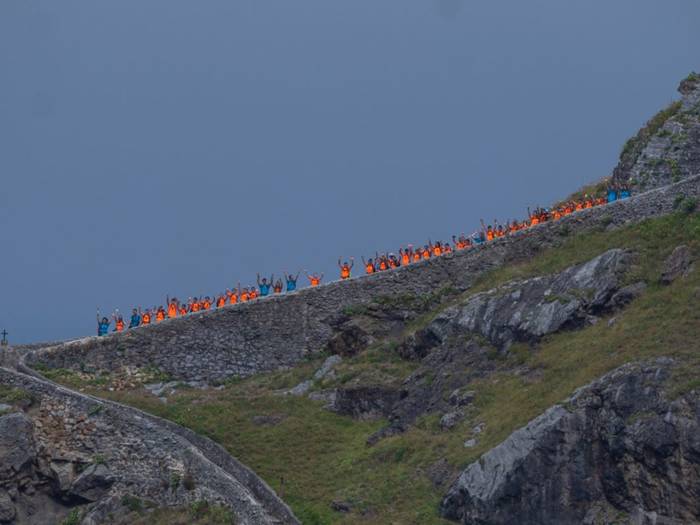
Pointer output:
x,y
169,146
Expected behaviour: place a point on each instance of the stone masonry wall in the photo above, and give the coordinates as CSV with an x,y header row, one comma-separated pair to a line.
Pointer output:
x,y
278,331
147,457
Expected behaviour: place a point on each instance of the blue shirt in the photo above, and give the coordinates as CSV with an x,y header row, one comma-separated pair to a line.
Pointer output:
x,y
291,285
264,289
612,195
103,328
135,321
624,194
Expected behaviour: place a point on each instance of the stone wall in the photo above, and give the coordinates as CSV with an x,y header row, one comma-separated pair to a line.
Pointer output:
x,y
137,454
277,332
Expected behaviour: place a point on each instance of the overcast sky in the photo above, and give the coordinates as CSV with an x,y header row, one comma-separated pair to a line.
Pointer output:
x,y
169,146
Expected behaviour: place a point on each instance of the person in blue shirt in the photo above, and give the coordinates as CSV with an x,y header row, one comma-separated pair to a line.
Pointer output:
x,y
291,281
135,318
265,285
102,325
612,194
624,192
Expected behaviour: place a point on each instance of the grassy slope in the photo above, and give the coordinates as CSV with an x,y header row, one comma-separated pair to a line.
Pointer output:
x,y
322,456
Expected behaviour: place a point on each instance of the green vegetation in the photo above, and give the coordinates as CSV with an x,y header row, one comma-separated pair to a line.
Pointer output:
x,y
313,457
15,396
199,513
73,518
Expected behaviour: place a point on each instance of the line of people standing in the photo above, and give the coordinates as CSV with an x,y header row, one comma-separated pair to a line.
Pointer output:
x,y
380,263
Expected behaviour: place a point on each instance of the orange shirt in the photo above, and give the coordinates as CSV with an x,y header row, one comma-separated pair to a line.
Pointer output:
x,y
426,253
383,266
405,259
437,251
245,297
490,235
232,298
315,281
369,268
345,272
277,288
172,310
253,294
160,316
195,307
446,249
120,325
183,310
146,319
416,256
221,301
534,221
206,305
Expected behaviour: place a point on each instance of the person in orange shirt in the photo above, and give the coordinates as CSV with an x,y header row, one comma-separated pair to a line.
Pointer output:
x,y
406,255
160,314
183,309
172,306
417,256
382,262
221,301
146,317
118,321
195,305
446,248
314,279
253,293
426,252
206,303
393,261
244,295
233,295
277,287
345,268
369,266
435,248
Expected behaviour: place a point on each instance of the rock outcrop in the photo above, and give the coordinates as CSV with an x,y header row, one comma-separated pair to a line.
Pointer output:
x,y
528,310
678,264
63,450
618,450
667,149
277,332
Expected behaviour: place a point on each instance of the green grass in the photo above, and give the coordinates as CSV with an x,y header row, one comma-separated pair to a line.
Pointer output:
x,y
313,457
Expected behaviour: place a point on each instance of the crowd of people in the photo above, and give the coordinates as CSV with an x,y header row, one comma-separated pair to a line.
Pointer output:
x,y
379,263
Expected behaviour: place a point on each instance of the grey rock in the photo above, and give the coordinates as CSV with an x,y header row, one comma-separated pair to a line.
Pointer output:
x,y
328,365
449,421
470,443
365,402
325,371
301,388
92,483
617,444
528,310
162,389
5,408
439,472
17,449
678,264
64,473
627,294
460,399
7,507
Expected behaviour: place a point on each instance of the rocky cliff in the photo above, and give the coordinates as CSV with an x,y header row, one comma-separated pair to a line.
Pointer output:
x,y
62,451
667,149
622,449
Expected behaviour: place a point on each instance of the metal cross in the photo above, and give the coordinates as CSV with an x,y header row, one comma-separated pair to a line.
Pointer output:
x,y
4,337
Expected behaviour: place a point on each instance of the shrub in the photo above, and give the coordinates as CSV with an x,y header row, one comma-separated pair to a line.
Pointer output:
x,y
73,518
688,205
